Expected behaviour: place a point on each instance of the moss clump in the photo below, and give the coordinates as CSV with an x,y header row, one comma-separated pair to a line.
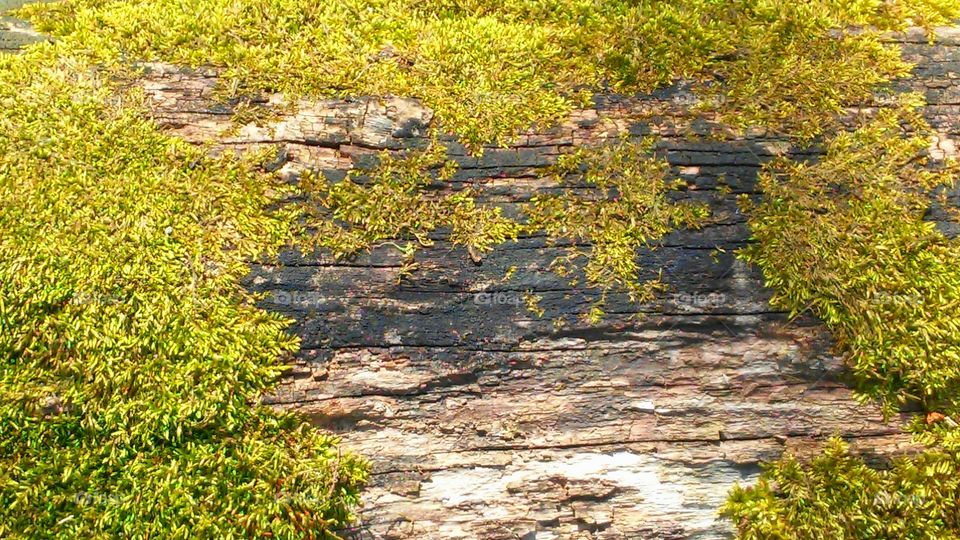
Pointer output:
x,y
131,360
795,76
391,201
490,70
845,238
630,211
403,198
838,496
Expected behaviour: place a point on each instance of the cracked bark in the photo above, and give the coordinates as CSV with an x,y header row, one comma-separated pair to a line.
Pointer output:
x,y
483,420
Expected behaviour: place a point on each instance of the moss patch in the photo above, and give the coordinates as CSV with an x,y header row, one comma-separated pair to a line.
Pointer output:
x,y
390,201
631,211
393,200
838,496
132,360
490,70
845,238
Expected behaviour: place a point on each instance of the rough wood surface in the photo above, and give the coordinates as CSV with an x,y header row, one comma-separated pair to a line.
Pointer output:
x,y
15,34
485,421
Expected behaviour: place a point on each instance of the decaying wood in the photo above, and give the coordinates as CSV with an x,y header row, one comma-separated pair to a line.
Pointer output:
x,y
484,420
15,34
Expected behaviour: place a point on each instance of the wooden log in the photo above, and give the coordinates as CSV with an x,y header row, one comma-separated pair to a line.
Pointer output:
x,y
483,420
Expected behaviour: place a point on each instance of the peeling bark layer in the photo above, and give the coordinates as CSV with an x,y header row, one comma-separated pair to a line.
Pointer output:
x,y
483,420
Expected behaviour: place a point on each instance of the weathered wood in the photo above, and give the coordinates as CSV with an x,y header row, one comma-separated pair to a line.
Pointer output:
x,y
14,33
483,420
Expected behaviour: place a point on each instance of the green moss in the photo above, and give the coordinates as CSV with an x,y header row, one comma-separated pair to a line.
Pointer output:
x,y
390,201
630,211
403,197
131,360
838,496
845,238
795,81
492,70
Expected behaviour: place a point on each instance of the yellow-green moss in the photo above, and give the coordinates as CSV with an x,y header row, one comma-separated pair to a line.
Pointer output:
x,y
389,201
131,356
492,69
845,238
131,360
838,496
629,211
393,200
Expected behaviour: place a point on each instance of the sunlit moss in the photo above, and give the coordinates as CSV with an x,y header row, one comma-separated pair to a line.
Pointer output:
x,y
391,201
132,356
845,238
630,210
838,496
490,70
131,360
403,197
